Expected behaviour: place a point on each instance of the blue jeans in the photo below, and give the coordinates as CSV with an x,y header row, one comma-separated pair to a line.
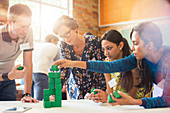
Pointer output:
x,y
39,83
8,90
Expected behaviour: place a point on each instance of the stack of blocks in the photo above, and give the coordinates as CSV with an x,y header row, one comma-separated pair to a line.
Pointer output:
x,y
55,88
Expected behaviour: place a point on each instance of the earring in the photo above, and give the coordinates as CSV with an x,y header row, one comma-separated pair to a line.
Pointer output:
x,y
120,49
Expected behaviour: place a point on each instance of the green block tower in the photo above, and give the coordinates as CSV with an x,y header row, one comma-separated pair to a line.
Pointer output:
x,y
55,88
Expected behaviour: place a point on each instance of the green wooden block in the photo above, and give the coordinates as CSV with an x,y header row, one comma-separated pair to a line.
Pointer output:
x,y
95,92
58,86
20,68
58,81
58,90
54,75
58,98
47,104
116,94
53,104
46,92
46,98
58,94
59,103
51,80
51,86
110,100
52,91
54,68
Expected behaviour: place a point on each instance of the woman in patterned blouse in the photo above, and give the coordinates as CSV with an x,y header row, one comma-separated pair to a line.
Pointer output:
x,y
149,55
79,48
116,47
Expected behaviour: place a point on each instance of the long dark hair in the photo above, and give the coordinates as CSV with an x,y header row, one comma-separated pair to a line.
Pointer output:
x,y
148,32
115,37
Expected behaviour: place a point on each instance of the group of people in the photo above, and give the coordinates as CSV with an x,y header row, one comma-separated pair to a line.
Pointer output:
x,y
149,57
107,64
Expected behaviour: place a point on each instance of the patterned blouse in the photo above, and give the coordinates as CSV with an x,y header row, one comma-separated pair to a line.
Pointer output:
x,y
161,71
86,80
117,76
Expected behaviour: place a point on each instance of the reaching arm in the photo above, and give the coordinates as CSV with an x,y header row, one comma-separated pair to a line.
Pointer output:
x,y
121,65
69,63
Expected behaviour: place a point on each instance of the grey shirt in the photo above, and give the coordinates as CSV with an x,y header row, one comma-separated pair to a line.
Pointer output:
x,y
10,50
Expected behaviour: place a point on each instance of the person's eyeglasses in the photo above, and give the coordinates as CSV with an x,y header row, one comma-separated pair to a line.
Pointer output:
x,y
67,34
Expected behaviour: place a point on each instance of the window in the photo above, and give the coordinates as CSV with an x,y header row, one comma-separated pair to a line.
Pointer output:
x,y
44,14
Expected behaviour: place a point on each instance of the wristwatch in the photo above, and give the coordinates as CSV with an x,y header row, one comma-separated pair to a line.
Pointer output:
x,y
26,94
5,76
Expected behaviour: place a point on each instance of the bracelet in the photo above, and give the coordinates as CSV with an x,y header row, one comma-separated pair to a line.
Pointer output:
x,y
26,94
5,76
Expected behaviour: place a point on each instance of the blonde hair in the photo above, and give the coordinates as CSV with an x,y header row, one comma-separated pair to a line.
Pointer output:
x,y
65,20
17,10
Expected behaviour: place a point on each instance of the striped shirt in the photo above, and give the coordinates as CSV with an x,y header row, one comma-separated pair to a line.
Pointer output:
x,y
161,70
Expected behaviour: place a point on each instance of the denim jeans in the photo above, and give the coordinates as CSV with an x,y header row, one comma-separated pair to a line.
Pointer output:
x,y
8,90
39,83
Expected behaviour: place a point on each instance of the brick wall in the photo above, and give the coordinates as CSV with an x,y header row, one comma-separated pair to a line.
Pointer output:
x,y
3,11
86,14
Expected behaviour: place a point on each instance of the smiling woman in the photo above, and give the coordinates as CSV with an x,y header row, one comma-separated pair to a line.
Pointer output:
x,y
79,48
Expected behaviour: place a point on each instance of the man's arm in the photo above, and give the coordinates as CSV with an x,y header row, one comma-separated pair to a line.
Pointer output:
x,y
27,59
27,62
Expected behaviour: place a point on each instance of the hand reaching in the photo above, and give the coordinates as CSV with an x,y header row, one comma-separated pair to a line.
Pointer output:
x,y
63,63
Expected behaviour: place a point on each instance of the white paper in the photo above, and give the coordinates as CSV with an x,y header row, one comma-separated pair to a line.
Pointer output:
x,y
112,82
24,46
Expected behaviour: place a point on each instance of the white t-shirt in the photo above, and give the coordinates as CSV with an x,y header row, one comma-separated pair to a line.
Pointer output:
x,y
44,54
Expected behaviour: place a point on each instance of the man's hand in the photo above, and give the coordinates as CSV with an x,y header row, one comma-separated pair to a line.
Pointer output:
x,y
16,74
29,99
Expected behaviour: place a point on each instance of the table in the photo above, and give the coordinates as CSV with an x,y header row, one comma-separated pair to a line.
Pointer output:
x,y
81,106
